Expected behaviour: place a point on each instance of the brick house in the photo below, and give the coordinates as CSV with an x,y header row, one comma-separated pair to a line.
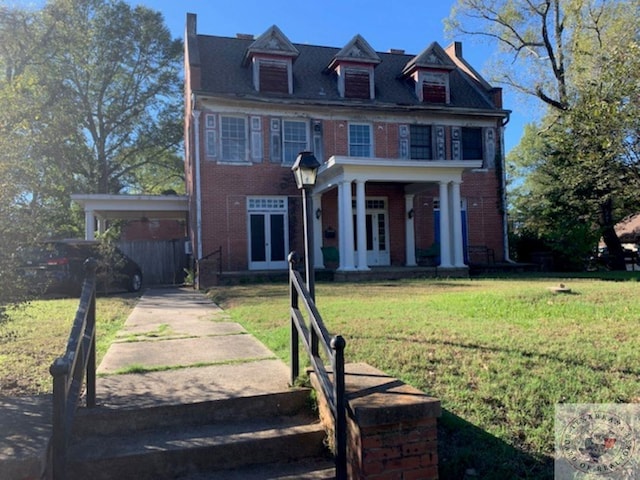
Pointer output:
x,y
411,148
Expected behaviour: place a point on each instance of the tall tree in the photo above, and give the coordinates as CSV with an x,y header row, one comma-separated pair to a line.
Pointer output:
x,y
579,58
89,102
120,67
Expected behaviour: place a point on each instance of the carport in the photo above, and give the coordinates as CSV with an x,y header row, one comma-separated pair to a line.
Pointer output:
x,y
162,261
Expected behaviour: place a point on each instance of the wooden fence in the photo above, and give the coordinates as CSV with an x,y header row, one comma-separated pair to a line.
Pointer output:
x,y
162,261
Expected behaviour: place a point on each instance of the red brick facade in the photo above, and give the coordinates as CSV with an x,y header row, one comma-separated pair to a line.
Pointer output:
x,y
225,185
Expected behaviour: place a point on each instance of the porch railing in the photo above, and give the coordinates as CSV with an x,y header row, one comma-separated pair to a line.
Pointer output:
x,y
314,335
70,370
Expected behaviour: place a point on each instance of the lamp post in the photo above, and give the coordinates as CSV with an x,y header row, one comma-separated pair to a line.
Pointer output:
x,y
305,170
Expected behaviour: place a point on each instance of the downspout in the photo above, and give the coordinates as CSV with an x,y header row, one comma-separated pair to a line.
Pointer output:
x,y
196,118
503,181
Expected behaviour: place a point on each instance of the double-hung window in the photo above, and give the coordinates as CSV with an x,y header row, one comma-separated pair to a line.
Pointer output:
x,y
471,143
294,139
420,147
360,140
233,139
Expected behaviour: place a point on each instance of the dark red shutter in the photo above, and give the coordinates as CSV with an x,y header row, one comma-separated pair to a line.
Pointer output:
x,y
274,78
356,85
434,93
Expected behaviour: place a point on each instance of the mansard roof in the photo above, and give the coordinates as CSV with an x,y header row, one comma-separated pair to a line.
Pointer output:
x,y
223,72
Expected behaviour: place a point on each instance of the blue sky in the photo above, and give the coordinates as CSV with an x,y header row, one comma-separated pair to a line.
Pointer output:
x,y
410,25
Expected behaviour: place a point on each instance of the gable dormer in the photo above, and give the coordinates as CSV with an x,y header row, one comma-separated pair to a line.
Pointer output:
x,y
271,57
430,73
354,66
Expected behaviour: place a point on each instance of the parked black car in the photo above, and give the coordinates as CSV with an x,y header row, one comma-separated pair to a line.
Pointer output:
x,y
58,266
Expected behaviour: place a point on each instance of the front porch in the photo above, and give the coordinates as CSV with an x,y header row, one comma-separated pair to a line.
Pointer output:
x,y
346,193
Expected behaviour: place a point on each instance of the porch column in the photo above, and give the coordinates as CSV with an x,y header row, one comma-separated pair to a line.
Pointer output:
x,y
318,260
362,225
102,225
345,221
456,211
89,225
410,235
445,227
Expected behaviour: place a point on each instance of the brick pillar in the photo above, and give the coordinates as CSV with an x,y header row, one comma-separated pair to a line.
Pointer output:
x,y
391,427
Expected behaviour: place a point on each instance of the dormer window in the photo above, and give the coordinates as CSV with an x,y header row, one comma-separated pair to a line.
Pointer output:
x,y
430,74
273,76
271,56
354,66
355,82
433,87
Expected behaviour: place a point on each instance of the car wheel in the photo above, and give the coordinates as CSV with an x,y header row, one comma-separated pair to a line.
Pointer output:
x,y
135,282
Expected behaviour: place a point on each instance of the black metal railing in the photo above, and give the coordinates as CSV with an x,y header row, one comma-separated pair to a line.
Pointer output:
x,y
218,254
69,370
312,335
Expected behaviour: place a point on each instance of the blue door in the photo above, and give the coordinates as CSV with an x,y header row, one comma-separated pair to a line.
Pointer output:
x,y
465,240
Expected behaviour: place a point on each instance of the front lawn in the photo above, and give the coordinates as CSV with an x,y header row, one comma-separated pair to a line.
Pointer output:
x,y
498,353
35,334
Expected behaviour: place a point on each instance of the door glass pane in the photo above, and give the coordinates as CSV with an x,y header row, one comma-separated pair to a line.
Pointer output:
x,y
369,232
382,239
277,237
258,253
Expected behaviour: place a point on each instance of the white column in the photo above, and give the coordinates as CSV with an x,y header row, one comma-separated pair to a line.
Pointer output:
x,y
102,225
456,212
345,220
445,228
89,225
317,232
362,225
410,235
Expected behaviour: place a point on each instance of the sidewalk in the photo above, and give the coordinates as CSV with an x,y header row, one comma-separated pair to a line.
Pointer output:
x,y
189,351
184,350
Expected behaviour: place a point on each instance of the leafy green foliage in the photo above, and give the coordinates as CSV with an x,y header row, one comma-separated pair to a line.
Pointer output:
x,y
581,162
90,102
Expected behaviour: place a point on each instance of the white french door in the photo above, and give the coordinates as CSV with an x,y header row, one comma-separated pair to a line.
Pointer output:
x,y
377,232
268,240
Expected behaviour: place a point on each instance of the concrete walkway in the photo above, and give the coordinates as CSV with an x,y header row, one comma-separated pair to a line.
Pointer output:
x,y
176,347
187,350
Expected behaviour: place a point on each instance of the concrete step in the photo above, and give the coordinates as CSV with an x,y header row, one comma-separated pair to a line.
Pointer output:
x,y
307,469
168,442
110,421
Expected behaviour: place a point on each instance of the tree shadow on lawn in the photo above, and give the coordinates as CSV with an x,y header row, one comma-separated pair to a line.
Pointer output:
x,y
466,452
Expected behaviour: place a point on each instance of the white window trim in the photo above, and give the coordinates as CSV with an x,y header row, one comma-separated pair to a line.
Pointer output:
x,y
247,142
282,139
371,143
210,130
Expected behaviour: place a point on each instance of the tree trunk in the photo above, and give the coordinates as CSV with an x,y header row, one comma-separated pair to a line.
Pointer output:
x,y
610,237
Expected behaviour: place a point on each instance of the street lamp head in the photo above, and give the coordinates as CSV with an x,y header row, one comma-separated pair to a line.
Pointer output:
x,y
305,170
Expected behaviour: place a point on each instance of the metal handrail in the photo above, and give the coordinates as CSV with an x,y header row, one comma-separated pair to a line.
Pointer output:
x,y
217,252
68,372
313,335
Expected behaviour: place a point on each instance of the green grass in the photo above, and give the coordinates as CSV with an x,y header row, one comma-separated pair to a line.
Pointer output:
x,y
36,333
499,353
